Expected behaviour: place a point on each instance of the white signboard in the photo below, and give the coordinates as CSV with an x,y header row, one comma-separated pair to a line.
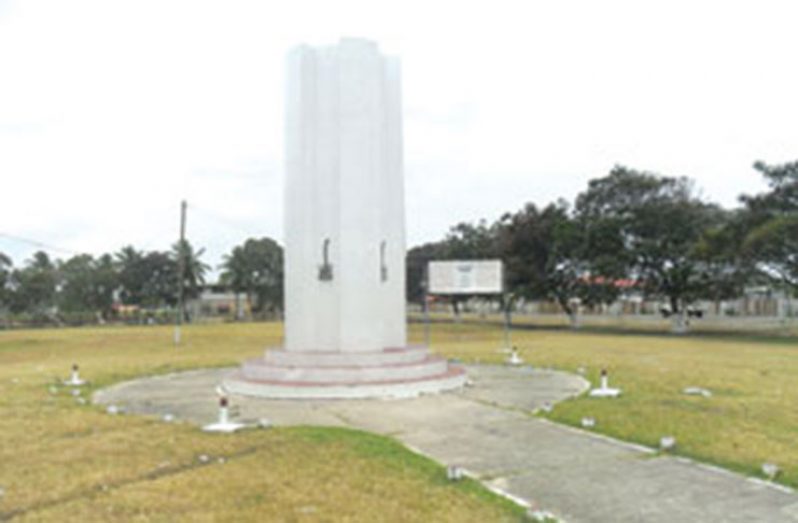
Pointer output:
x,y
466,277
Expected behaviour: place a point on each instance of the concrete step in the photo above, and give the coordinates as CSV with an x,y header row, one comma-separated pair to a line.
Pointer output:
x,y
392,355
353,372
453,377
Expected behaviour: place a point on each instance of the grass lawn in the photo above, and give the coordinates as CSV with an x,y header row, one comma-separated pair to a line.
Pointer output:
x,y
63,460
644,324
751,418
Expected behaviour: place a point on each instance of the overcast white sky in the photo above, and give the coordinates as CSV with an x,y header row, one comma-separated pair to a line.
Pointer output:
x,y
111,112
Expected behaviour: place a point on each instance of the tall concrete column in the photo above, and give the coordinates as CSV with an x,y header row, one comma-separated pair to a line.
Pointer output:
x,y
345,188
345,333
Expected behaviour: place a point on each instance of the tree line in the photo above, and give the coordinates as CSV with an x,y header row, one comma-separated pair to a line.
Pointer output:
x,y
86,288
628,231
635,231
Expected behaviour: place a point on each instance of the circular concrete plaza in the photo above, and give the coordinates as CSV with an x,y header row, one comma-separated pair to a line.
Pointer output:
x,y
489,429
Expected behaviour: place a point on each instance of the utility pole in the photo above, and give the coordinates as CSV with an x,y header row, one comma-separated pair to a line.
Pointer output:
x,y
181,267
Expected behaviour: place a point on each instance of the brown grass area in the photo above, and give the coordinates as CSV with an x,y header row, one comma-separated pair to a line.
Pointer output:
x,y
61,460
750,419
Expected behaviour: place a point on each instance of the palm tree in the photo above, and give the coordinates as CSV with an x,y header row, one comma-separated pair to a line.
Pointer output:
x,y
194,269
132,279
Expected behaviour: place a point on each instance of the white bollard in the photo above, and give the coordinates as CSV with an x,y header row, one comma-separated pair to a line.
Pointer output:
x,y
224,413
514,358
770,470
667,443
74,380
454,473
697,391
604,390
223,424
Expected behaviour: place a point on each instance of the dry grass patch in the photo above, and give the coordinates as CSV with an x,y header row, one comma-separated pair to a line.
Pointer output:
x,y
63,460
750,419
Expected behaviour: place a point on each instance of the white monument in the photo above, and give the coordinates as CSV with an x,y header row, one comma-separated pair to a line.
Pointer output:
x,y
345,333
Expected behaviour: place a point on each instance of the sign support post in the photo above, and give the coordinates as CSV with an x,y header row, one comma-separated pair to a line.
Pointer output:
x,y
507,311
426,307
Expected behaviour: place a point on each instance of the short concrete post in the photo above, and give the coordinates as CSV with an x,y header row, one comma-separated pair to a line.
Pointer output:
x,y
454,473
770,470
224,413
604,390
74,379
223,424
515,358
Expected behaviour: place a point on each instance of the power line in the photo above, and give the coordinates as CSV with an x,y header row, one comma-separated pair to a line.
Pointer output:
x,y
37,243
213,216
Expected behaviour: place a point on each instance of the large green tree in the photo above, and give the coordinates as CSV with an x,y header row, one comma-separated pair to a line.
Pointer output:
x,y
255,269
466,241
150,279
87,284
160,283
5,280
545,257
772,237
132,275
34,286
147,279
655,224
726,268
75,284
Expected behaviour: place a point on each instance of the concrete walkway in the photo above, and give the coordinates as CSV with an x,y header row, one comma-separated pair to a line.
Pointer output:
x,y
488,430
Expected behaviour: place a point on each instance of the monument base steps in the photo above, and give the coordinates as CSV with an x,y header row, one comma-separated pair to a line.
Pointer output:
x,y
390,373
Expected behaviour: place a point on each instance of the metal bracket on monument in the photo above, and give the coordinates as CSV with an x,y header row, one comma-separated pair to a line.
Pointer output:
x,y
326,269
383,266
